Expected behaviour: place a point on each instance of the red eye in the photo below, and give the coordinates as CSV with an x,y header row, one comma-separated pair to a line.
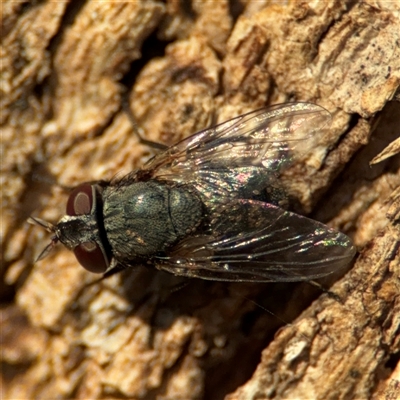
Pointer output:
x,y
92,257
80,200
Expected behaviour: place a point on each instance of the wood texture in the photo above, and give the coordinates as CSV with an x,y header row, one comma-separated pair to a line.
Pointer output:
x,y
146,334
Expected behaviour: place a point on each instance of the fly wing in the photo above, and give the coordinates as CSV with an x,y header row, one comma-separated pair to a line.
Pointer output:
x,y
246,239
266,138
259,242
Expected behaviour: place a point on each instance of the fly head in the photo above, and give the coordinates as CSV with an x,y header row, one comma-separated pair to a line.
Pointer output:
x,y
81,229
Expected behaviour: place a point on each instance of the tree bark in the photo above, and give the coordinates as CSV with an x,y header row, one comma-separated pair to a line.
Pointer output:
x,y
66,67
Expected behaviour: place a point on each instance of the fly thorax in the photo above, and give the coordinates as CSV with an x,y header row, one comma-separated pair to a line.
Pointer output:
x,y
146,218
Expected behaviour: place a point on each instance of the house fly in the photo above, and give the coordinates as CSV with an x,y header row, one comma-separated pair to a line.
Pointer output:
x,y
210,207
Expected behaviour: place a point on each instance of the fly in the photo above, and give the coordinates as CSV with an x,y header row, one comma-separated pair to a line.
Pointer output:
x,y
210,206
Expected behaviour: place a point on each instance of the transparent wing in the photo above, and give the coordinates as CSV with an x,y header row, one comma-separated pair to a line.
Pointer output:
x,y
266,138
259,242
245,239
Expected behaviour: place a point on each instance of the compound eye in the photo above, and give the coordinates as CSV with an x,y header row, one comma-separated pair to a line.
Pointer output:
x,y
92,257
80,201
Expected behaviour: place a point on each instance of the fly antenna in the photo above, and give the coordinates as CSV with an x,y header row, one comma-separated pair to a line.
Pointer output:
x,y
41,222
49,228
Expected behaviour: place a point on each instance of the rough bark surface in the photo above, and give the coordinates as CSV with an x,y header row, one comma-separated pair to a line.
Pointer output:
x,y
65,67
